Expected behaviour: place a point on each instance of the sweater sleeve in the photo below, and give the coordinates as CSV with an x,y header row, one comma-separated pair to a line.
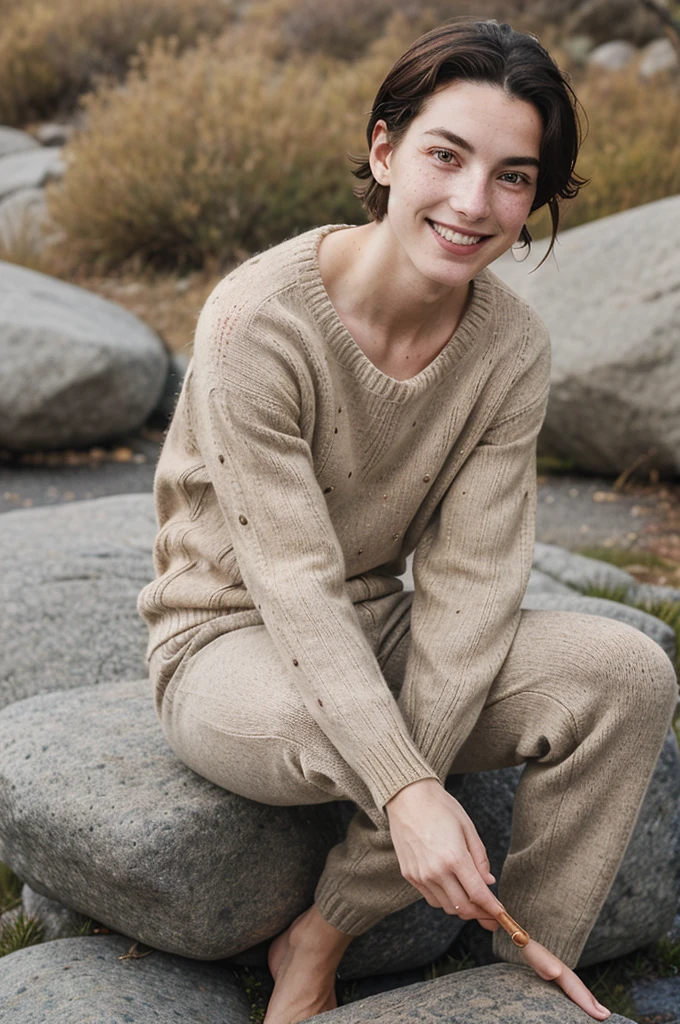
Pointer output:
x,y
246,411
471,569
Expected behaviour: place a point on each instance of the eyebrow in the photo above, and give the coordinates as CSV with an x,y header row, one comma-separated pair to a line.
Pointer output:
x,y
456,140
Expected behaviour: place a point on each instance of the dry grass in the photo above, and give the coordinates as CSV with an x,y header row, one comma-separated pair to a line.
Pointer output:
x,y
50,52
209,155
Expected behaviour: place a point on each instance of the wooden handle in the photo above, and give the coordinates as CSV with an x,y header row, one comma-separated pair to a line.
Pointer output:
x,y
517,934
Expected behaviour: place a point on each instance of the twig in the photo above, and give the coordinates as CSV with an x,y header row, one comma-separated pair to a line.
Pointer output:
x,y
671,24
133,953
623,477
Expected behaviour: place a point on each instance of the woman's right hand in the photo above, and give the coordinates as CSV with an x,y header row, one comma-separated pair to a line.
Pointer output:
x,y
440,852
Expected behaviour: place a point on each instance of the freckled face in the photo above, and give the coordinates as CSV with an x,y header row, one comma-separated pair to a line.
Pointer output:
x,y
467,162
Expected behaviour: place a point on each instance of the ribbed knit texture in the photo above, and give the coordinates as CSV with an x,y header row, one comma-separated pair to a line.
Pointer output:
x,y
295,478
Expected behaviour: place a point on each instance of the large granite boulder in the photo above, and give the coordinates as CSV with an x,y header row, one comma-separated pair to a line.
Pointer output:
x,y
615,391
613,55
69,580
77,369
88,980
658,57
504,993
12,140
98,813
29,168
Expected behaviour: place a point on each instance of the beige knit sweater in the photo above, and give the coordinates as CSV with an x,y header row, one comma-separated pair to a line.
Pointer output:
x,y
295,478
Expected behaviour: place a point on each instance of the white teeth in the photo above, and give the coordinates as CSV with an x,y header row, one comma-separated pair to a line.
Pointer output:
x,y
455,236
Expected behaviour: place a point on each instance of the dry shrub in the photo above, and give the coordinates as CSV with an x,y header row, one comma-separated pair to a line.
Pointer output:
x,y
50,52
632,149
345,29
209,154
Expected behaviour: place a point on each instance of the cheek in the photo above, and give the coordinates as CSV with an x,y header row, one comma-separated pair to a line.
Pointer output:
x,y
514,209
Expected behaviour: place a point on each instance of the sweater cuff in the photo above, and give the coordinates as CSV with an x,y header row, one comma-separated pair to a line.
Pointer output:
x,y
390,767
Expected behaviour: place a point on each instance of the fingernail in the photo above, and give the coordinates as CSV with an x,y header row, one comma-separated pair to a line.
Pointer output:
x,y
602,1008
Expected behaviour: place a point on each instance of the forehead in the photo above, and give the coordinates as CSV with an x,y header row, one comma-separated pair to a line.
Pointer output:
x,y
482,113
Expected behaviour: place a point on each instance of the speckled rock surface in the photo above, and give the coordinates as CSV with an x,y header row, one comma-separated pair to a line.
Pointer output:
x,y
641,904
99,814
83,981
77,369
498,994
615,373
69,580
658,1000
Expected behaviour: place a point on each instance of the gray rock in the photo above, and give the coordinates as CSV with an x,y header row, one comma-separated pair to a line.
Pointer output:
x,y
30,168
663,634
658,1000
52,134
657,57
482,995
58,921
24,220
542,583
578,571
177,369
83,981
615,391
612,56
99,814
641,904
77,369
12,140
69,580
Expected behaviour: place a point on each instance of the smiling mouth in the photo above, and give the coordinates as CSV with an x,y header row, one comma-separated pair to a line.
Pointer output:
x,y
457,237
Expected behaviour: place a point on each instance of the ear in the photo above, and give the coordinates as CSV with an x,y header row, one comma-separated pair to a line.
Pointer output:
x,y
381,151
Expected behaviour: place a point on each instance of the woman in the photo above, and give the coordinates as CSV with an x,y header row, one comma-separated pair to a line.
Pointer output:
x,y
357,393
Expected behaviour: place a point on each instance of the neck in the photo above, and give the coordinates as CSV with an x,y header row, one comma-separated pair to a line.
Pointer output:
x,y
371,281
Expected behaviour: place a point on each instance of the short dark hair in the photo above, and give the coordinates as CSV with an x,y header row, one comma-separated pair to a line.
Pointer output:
x,y
482,51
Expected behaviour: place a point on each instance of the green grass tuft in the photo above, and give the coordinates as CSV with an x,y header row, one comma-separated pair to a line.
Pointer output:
x,y
10,889
551,465
25,931
625,556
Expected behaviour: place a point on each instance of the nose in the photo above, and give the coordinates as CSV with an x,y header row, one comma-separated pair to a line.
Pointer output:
x,y
470,196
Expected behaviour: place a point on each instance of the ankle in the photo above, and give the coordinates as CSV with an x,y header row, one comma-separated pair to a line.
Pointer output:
x,y
311,931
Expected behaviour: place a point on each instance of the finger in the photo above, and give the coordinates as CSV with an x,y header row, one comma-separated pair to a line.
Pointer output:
x,y
475,888
551,968
477,850
489,923
452,898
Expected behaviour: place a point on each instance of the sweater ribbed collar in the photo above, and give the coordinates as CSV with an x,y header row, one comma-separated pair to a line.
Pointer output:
x,y
475,324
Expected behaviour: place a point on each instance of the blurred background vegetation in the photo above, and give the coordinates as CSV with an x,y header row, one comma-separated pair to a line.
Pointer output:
x,y
208,129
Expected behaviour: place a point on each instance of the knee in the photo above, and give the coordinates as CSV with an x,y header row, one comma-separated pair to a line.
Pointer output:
x,y
634,673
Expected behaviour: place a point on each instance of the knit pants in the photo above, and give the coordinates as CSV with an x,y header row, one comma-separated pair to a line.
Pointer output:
x,y
584,701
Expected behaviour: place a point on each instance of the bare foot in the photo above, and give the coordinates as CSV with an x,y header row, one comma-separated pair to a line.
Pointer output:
x,y
551,968
302,961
